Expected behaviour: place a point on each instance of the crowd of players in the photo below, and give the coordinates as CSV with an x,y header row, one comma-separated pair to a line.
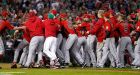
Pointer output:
x,y
88,39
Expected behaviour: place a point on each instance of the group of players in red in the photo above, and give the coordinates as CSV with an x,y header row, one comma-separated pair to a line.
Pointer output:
x,y
87,40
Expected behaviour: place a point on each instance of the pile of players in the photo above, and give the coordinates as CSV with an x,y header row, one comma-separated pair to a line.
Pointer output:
x,y
88,40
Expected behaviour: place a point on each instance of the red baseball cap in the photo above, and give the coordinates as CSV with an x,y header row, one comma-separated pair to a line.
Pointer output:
x,y
133,15
54,11
63,15
86,16
78,18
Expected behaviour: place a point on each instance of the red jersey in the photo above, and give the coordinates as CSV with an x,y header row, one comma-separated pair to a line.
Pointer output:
x,y
5,24
93,22
35,26
124,28
51,27
26,36
66,26
83,28
86,25
98,30
113,22
78,31
109,27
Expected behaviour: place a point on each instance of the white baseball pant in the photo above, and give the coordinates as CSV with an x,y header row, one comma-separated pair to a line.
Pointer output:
x,y
58,49
99,51
136,61
82,42
50,46
109,46
69,44
36,43
24,43
124,42
76,53
24,55
1,46
112,60
91,40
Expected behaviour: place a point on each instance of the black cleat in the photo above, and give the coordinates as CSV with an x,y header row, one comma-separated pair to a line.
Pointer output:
x,y
0,67
14,66
54,67
83,65
56,60
66,65
22,66
41,64
62,65
32,65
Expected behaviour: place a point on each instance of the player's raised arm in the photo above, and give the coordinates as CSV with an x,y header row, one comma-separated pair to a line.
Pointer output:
x,y
19,28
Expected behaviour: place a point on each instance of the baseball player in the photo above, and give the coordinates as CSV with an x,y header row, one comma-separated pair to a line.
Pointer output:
x,y
71,37
4,24
136,61
98,30
125,42
91,42
109,42
59,50
24,43
50,45
113,21
36,31
81,42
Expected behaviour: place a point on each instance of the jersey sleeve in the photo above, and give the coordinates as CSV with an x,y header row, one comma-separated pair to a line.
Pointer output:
x,y
8,25
96,27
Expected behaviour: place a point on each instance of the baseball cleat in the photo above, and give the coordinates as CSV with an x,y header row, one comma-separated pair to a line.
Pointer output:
x,y
83,65
56,61
41,64
54,67
14,66
22,66
66,65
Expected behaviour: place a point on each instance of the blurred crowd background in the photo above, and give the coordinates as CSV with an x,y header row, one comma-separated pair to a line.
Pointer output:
x,y
18,8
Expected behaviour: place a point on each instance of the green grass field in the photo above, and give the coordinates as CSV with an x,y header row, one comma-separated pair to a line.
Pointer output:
x,y
67,71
